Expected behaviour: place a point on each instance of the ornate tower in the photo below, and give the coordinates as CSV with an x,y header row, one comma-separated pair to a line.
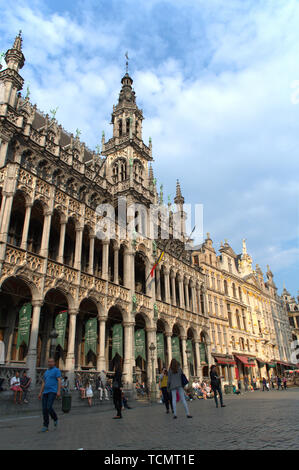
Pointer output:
x,y
10,77
127,162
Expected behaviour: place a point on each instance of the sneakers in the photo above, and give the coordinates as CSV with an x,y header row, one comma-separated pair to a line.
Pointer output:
x,y
44,429
174,417
188,416
223,406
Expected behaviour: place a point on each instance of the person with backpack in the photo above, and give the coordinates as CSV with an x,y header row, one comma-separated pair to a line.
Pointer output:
x,y
216,386
175,385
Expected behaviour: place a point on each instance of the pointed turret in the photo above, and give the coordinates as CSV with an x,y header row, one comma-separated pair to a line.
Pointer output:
x,y
178,195
13,82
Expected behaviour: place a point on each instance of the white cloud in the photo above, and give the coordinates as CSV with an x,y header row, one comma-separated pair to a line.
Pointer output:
x,y
215,87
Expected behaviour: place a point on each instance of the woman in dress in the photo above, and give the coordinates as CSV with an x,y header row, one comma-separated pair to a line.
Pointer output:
x,y
15,386
89,393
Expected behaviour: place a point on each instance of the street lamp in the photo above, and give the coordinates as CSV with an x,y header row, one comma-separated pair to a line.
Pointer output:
x,y
188,354
152,349
53,336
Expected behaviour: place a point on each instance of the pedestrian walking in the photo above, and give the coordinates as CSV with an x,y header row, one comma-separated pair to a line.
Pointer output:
x,y
50,389
253,382
65,385
216,386
246,382
102,385
167,399
25,382
284,381
175,385
279,383
273,383
117,389
15,386
264,382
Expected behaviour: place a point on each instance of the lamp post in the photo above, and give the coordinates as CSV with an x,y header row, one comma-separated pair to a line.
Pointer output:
x,y
53,336
188,354
152,349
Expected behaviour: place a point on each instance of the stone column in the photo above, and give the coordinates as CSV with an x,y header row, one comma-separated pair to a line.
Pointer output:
x,y
61,242
158,277
127,368
32,350
116,265
3,152
197,356
129,271
193,293
78,248
70,358
185,359
166,284
169,349
105,259
91,254
181,291
197,293
173,291
26,226
6,217
210,357
186,283
2,208
46,234
101,360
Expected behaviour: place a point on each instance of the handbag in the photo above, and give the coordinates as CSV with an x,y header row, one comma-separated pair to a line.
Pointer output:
x,y
185,381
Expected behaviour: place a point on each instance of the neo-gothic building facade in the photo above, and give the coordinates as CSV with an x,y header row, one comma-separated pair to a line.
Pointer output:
x,y
57,264
53,259
249,325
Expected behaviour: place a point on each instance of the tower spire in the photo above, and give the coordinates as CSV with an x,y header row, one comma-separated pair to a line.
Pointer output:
x,y
178,195
13,82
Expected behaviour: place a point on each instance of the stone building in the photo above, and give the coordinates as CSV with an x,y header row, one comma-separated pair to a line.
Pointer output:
x,y
292,310
59,269
249,330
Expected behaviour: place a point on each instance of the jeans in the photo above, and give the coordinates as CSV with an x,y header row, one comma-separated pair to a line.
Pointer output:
x,y
47,403
182,398
166,398
215,390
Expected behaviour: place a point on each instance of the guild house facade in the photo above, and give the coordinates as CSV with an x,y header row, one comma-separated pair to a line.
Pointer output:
x,y
90,296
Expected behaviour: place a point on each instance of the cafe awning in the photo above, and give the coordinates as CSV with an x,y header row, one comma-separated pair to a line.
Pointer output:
x,y
246,360
271,364
224,361
261,363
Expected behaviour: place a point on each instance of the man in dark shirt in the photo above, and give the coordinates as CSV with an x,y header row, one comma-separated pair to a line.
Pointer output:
x,y
216,386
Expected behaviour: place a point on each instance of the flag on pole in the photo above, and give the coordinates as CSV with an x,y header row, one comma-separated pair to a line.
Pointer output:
x,y
156,264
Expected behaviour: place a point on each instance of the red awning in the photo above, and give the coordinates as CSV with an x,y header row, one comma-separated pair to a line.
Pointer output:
x,y
244,360
225,361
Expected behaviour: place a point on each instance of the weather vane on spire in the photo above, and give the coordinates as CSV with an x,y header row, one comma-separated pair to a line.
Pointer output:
x,y
127,61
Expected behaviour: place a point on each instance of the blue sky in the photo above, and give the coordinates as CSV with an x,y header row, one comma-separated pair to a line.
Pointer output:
x,y
214,80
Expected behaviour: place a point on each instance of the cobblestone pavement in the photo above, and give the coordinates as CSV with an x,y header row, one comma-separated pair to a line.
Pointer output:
x,y
259,420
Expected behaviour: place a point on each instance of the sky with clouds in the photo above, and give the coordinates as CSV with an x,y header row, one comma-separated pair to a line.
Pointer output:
x,y
218,83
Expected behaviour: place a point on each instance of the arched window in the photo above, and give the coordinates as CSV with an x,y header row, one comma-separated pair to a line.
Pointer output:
x,y
238,320
234,290
138,171
225,287
119,170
